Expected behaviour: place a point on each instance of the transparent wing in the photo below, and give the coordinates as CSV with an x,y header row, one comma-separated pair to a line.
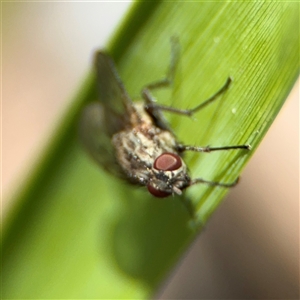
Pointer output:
x,y
96,140
101,120
112,95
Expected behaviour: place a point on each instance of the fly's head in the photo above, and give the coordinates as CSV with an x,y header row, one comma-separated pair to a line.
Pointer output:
x,y
169,176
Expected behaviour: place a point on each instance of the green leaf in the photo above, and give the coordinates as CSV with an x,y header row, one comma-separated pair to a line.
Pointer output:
x,y
76,232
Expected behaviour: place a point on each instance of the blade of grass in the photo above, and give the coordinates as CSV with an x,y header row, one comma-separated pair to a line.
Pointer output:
x,y
76,232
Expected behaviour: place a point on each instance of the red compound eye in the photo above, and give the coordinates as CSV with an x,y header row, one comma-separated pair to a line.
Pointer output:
x,y
168,162
157,193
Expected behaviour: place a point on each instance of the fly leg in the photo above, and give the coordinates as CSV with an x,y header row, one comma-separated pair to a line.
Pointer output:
x,y
154,108
187,112
214,183
151,106
207,149
182,148
168,80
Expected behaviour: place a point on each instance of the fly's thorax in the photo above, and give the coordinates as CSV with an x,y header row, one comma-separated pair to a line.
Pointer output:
x,y
142,156
139,117
137,148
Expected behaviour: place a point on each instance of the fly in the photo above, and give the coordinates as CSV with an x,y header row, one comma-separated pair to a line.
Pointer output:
x,y
133,141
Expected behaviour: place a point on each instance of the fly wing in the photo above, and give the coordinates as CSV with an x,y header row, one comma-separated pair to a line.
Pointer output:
x,y
101,120
112,94
96,140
